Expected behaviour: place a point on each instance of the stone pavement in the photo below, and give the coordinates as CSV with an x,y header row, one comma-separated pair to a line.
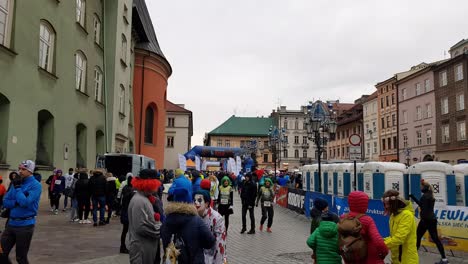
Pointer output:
x,y
58,241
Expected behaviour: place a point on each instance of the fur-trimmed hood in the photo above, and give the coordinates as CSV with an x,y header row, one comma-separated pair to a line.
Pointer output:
x,y
180,208
180,216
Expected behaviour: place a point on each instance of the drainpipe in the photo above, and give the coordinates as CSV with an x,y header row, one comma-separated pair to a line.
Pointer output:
x,y
105,77
141,101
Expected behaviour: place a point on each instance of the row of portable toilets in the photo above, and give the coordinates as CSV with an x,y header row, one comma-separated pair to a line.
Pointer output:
x,y
450,183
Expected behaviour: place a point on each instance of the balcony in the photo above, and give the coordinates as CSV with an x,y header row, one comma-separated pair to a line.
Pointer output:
x,y
305,145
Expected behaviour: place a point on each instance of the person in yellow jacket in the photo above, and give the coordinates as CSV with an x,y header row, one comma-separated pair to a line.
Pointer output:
x,y
402,239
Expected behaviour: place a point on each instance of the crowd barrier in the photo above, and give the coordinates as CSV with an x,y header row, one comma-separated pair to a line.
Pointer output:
x,y
452,220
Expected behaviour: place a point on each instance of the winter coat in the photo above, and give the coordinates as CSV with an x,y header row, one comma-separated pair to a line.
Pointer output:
x,y
143,230
324,243
97,185
82,191
426,205
23,202
403,233
59,185
183,219
376,248
249,193
127,194
215,222
111,189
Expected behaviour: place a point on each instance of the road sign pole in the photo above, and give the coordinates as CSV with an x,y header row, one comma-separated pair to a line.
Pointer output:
x,y
355,175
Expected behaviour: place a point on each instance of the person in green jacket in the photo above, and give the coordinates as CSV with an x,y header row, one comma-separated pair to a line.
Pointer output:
x,y
324,241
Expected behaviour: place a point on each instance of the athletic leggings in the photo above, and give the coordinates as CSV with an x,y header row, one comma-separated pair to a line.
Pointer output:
x,y
431,226
54,201
226,221
83,205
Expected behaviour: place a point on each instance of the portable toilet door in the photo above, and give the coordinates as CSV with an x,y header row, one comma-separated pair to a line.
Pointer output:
x,y
440,175
314,178
360,177
343,179
330,178
461,179
394,174
372,183
324,179
306,174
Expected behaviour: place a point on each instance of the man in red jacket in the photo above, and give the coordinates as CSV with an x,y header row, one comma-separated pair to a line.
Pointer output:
x,y
376,248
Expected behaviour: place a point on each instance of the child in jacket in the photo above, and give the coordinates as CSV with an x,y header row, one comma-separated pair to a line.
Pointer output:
x,y
324,241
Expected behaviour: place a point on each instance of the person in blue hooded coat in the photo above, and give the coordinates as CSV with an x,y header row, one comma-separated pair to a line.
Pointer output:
x,y
196,180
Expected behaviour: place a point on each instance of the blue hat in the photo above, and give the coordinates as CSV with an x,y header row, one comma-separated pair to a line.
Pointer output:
x,y
182,192
205,193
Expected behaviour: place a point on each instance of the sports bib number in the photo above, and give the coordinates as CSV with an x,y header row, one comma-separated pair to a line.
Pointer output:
x,y
267,203
58,182
224,201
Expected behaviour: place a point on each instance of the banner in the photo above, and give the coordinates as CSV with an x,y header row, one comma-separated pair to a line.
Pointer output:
x,y
203,166
309,202
238,165
282,197
296,198
452,225
182,162
197,163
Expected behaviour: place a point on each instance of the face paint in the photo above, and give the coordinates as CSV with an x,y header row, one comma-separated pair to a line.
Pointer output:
x,y
200,204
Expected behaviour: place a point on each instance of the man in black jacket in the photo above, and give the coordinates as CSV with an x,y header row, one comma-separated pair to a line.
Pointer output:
x,y
97,188
248,195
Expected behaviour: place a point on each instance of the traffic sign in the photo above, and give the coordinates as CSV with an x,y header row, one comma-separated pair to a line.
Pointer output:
x,y
355,139
355,157
355,150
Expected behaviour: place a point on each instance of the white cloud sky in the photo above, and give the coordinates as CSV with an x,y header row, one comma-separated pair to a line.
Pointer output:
x,y
245,57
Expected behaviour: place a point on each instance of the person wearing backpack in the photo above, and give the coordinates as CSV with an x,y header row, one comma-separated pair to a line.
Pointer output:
x,y
370,247
184,229
266,196
402,239
324,241
126,195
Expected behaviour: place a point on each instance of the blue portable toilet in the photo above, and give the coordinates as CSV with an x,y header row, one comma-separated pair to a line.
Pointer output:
x,y
461,179
308,177
360,177
440,175
381,176
324,177
343,184
331,178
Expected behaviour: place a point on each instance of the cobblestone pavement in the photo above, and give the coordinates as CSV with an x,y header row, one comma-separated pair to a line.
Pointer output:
x,y
58,241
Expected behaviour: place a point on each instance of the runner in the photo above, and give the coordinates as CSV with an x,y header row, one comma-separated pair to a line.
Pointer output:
x,y
266,196
248,195
225,200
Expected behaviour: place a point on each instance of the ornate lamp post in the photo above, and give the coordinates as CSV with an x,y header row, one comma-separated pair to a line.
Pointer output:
x,y
276,141
321,127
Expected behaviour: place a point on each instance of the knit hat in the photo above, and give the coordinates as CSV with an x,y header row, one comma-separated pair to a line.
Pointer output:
x,y
320,204
28,165
206,195
205,184
182,192
58,171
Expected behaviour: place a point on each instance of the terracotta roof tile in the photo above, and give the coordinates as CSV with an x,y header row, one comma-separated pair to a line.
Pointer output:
x,y
171,107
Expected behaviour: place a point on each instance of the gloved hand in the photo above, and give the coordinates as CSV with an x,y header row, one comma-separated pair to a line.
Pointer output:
x,y
17,181
152,199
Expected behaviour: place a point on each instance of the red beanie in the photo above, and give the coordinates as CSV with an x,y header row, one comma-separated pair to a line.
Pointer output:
x,y
205,184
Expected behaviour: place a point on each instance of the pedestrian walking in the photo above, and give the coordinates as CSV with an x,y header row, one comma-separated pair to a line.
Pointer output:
x,y
68,182
428,220
324,241
266,196
97,188
402,239
23,201
74,202
111,194
248,195
215,222
126,195
184,228
56,186
144,225
83,196
376,248
226,200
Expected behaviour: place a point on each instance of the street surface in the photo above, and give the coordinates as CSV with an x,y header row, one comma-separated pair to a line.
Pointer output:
x,y
56,240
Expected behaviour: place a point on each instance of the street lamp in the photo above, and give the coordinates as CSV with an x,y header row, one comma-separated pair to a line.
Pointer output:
x,y
321,126
276,140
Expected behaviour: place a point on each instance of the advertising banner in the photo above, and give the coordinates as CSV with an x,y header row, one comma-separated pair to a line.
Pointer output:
x,y
282,197
182,162
197,163
309,202
452,225
296,199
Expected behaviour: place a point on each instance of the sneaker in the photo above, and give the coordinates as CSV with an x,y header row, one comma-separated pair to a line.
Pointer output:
x,y
261,228
269,229
87,221
76,220
442,261
243,230
251,232
52,210
55,212
81,222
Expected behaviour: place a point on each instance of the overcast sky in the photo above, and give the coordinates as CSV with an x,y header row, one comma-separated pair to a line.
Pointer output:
x,y
246,57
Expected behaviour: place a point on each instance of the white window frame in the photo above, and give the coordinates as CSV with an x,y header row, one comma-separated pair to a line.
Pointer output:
x,y
443,78
171,121
97,29
227,143
460,101
445,133
81,12
444,108
296,153
458,72
46,46
428,136
122,99
428,110
418,89
461,130
419,137
6,25
427,85
375,147
219,143
405,140
418,112
124,49
403,94
80,71
98,84
405,116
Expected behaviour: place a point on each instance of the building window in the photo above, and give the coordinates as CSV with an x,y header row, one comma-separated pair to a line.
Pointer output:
x,y
418,113
418,89
46,46
444,105
98,84
149,125
388,121
368,148
395,145
122,99
97,29
427,85
375,147
386,100
296,124
405,140
338,151
428,110
219,143
296,153
460,102
265,157
286,139
374,126
383,144
428,136
461,130
170,142
443,78
389,143
296,139
171,122
228,143
304,153
304,139
419,137
393,99
445,134
285,124
81,12
80,72
459,72
285,153
383,122
394,119
403,94
124,49
405,117
382,102
6,18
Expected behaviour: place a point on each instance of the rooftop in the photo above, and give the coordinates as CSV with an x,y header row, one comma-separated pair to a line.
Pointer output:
x,y
171,107
244,126
459,43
